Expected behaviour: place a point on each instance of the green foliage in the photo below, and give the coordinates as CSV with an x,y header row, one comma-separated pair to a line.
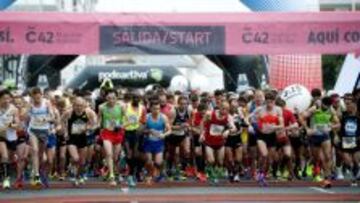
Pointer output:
x,y
331,67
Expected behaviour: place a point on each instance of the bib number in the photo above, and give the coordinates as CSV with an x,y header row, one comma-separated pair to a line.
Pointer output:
x,y
216,130
349,142
179,132
39,121
77,129
322,128
133,119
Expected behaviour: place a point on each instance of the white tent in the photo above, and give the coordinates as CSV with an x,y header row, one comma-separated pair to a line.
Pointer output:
x,y
348,75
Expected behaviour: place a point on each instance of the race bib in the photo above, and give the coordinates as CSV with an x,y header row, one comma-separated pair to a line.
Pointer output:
x,y
77,128
133,119
351,128
154,134
349,142
112,124
216,130
39,121
267,128
179,132
321,128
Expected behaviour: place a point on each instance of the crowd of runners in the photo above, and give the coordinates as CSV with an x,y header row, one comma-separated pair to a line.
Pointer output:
x,y
130,136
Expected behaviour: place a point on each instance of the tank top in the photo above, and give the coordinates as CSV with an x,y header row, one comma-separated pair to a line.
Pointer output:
x,y
197,119
268,118
132,117
38,116
320,120
350,130
157,125
77,124
180,118
111,117
6,118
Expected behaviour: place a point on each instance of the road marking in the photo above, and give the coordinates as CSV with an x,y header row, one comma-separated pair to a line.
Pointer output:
x,y
322,190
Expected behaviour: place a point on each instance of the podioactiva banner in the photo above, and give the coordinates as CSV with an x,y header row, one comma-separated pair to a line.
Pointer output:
x,y
244,33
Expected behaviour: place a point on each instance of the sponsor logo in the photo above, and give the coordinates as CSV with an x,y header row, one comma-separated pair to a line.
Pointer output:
x,y
154,73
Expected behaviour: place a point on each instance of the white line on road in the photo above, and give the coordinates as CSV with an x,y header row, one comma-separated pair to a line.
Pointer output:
x,y
322,190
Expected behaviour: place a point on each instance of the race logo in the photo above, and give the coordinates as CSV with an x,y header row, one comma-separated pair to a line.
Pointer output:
x,y
156,74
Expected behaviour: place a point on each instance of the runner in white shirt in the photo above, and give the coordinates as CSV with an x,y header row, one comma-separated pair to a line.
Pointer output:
x,y
41,115
8,123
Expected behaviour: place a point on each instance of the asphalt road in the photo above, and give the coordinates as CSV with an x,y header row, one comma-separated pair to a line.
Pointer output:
x,y
185,192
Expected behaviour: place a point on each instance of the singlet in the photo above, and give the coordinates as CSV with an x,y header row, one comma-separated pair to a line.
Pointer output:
x,y
7,118
214,129
111,117
38,116
320,120
180,118
269,118
197,119
350,131
77,124
132,117
157,125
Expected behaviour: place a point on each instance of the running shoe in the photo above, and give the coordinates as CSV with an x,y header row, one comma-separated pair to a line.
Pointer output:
x,y
354,183
62,177
231,178
285,174
44,179
82,181
6,183
179,176
160,178
148,180
201,176
53,176
261,180
318,178
236,178
309,170
36,181
131,181
112,181
19,184
121,179
339,174
75,182
190,171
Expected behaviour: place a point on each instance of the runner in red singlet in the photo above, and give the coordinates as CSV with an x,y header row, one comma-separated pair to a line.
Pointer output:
x,y
215,129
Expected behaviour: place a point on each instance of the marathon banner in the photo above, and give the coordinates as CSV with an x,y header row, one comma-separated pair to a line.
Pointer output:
x,y
211,33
